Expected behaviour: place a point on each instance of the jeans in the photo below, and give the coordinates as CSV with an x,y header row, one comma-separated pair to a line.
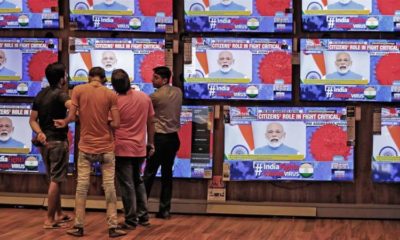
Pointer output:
x,y
107,161
133,191
166,146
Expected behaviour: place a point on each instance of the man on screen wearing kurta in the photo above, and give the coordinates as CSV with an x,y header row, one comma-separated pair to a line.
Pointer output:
x,y
343,65
275,135
225,62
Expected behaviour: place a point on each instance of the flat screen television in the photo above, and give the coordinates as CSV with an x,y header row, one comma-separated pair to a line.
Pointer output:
x,y
238,15
386,147
350,70
351,15
29,14
278,143
17,153
22,65
121,15
194,158
136,56
238,68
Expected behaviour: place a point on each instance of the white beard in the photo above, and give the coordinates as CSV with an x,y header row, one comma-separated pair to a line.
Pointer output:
x,y
344,1
109,69
226,2
343,71
109,2
226,69
275,144
5,138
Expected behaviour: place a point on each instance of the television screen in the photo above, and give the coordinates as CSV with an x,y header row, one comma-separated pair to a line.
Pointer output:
x,y
29,14
195,156
137,57
17,153
302,144
239,68
351,15
350,70
22,64
121,15
239,15
386,148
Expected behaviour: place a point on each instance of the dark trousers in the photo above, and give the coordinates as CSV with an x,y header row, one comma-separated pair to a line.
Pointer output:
x,y
166,146
132,188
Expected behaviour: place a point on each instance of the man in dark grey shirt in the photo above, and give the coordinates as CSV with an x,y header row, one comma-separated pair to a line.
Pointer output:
x,y
167,103
52,103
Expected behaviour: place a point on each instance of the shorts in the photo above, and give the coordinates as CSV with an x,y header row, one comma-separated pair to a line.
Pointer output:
x,y
55,156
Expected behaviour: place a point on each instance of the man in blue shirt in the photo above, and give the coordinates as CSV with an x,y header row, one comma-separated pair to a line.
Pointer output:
x,y
3,70
225,62
275,136
7,4
6,131
110,5
345,5
343,64
227,5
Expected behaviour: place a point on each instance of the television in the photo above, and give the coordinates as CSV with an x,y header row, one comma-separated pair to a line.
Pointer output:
x,y
194,158
350,70
121,15
28,14
351,15
386,147
22,65
17,153
282,143
137,57
238,68
238,15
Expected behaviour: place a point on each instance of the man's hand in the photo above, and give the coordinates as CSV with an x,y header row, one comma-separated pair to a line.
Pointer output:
x,y
60,123
150,150
41,137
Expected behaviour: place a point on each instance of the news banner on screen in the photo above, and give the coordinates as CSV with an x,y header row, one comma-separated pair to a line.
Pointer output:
x,y
22,64
350,70
265,143
239,15
239,68
17,153
351,15
121,15
386,147
137,57
195,156
29,14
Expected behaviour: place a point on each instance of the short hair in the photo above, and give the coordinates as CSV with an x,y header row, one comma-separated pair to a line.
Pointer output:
x,y
120,81
97,72
54,73
163,71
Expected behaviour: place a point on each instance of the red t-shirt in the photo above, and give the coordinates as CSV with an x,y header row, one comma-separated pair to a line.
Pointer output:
x,y
130,138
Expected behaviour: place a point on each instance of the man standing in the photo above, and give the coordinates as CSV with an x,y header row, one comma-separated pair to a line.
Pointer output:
x,y
167,102
136,113
94,102
52,103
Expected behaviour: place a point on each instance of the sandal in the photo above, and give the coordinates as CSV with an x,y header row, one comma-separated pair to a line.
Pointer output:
x,y
54,226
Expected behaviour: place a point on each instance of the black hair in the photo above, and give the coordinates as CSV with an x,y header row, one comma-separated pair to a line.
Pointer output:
x,y
120,81
54,73
163,71
98,72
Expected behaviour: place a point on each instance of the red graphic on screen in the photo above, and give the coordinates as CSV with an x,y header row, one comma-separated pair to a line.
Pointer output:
x,y
39,62
270,7
152,7
150,61
37,6
388,69
388,7
276,65
185,137
328,141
